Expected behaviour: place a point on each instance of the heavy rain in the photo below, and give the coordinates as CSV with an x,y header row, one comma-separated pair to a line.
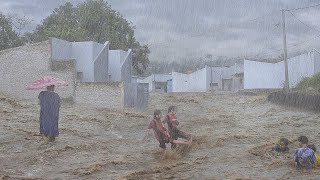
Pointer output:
x,y
159,89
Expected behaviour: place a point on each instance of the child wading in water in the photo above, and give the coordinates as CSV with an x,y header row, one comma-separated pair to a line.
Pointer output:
x,y
160,132
282,146
304,157
174,132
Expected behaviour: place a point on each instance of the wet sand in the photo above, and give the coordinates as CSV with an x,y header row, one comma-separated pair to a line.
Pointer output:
x,y
229,132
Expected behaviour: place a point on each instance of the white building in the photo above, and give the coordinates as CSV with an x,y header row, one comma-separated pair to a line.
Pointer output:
x,y
157,82
198,81
261,75
94,61
91,58
209,79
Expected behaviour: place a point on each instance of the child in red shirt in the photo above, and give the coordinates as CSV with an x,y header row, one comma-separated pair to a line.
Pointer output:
x,y
174,132
160,132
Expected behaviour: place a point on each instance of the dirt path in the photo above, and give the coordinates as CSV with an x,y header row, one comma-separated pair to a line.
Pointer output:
x,y
229,134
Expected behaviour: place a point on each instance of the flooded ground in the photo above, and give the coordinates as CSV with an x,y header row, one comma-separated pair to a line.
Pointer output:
x,y
230,133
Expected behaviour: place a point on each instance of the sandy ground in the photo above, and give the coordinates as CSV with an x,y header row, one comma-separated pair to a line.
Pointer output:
x,y
229,132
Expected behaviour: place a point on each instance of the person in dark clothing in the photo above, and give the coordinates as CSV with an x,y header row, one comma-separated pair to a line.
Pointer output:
x,y
49,114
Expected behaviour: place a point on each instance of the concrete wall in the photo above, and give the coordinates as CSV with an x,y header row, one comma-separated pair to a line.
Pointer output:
x,y
316,57
65,70
219,74
101,94
134,79
114,65
237,83
97,48
130,94
120,65
299,67
23,65
126,67
227,72
85,54
260,75
169,86
82,53
101,64
61,49
194,82
155,78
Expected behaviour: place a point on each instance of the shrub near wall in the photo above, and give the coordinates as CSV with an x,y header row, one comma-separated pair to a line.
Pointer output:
x,y
296,99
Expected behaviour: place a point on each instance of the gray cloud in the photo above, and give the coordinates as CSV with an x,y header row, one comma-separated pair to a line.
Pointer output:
x,y
182,29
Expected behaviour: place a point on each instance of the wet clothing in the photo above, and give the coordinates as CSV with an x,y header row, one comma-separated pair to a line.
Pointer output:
x,y
174,132
305,158
49,113
160,132
277,148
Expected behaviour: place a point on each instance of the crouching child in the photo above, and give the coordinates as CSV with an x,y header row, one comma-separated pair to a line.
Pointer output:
x,y
160,132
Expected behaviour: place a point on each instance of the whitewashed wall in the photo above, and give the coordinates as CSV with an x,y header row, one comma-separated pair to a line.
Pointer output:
x,y
316,61
101,62
155,78
260,75
114,65
219,73
126,66
82,53
85,53
61,49
120,65
198,81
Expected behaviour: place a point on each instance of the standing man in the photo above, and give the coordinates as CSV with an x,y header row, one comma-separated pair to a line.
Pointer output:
x,y
49,114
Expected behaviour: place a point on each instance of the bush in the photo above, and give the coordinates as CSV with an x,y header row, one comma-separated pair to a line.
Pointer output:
x,y
313,82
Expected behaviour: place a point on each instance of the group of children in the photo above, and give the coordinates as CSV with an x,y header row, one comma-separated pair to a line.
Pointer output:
x,y
170,135
305,157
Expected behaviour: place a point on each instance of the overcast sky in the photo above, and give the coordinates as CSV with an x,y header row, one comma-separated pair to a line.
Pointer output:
x,y
183,29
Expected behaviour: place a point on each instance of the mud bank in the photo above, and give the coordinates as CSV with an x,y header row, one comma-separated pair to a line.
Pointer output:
x,y
296,99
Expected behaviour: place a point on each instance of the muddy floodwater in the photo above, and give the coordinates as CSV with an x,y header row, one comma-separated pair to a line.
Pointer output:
x,y
229,131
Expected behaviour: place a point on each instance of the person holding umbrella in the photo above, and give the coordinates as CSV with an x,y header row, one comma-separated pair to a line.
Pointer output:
x,y
49,106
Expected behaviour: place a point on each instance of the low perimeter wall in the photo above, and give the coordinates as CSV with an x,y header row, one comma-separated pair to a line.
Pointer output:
x,y
101,94
296,99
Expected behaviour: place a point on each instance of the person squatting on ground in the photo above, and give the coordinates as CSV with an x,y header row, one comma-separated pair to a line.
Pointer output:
x,y
304,157
175,133
49,114
160,132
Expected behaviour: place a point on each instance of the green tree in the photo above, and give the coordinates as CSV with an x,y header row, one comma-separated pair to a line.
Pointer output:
x,y
8,37
93,20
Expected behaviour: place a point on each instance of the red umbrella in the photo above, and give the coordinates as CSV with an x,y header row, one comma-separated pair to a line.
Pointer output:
x,y
45,82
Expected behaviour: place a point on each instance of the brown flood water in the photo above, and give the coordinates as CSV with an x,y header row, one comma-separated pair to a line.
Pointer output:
x,y
229,133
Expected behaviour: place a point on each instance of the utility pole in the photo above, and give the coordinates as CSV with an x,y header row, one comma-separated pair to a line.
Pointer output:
x,y
286,81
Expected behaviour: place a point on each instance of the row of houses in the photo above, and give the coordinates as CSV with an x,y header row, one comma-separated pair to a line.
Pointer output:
x,y
203,80
247,75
